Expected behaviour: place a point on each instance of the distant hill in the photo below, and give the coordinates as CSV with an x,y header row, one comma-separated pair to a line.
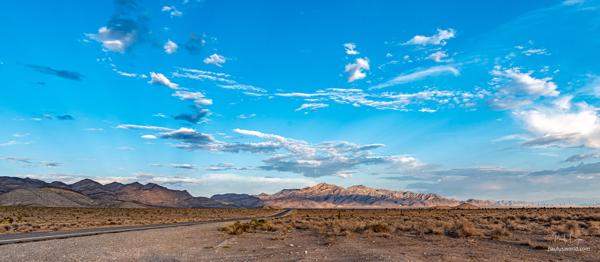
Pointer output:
x,y
87,192
332,196
241,200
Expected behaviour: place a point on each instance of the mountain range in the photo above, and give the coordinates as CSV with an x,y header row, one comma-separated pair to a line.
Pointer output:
x,y
89,193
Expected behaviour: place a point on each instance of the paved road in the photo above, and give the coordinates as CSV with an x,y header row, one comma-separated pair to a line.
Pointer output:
x,y
40,236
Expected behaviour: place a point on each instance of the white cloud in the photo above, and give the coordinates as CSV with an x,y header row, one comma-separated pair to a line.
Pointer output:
x,y
9,143
149,137
438,56
357,70
155,128
215,59
417,75
311,106
538,51
205,185
223,80
323,159
170,47
127,74
573,2
393,100
176,165
125,148
437,39
350,49
246,116
562,124
427,110
218,183
197,97
524,82
171,10
158,78
113,41
244,88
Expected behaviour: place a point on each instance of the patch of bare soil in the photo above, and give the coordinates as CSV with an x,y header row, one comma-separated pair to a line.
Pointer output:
x,y
30,219
532,234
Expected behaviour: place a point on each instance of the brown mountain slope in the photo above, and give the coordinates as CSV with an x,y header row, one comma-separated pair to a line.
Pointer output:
x,y
332,196
46,197
109,195
10,183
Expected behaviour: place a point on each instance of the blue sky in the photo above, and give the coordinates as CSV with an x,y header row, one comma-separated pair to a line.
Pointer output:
x,y
468,100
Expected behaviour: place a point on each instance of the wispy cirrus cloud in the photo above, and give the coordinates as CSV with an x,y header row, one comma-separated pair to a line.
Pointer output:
x,y
311,106
432,99
418,75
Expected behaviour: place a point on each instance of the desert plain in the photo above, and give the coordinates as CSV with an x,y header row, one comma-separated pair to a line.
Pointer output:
x,y
425,234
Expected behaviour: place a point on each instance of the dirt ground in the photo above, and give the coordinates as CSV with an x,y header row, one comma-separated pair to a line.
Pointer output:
x,y
30,219
346,235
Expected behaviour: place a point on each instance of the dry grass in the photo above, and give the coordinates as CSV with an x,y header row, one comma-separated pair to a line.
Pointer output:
x,y
531,227
254,225
28,219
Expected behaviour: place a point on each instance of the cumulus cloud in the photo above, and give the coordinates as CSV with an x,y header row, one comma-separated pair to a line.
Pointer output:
x,y
125,28
350,49
418,75
323,159
112,40
195,44
562,124
205,185
210,184
170,47
160,79
195,117
197,97
66,74
582,157
357,70
311,106
524,82
501,183
215,59
437,39
65,117
438,56
171,10
189,138
297,156
149,137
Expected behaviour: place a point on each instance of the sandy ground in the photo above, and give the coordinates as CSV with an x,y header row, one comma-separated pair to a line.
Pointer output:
x,y
206,243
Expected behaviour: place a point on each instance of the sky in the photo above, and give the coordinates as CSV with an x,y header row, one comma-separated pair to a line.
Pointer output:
x,y
489,99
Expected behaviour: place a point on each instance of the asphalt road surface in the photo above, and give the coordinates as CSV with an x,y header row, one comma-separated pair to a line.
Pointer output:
x,y
41,236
